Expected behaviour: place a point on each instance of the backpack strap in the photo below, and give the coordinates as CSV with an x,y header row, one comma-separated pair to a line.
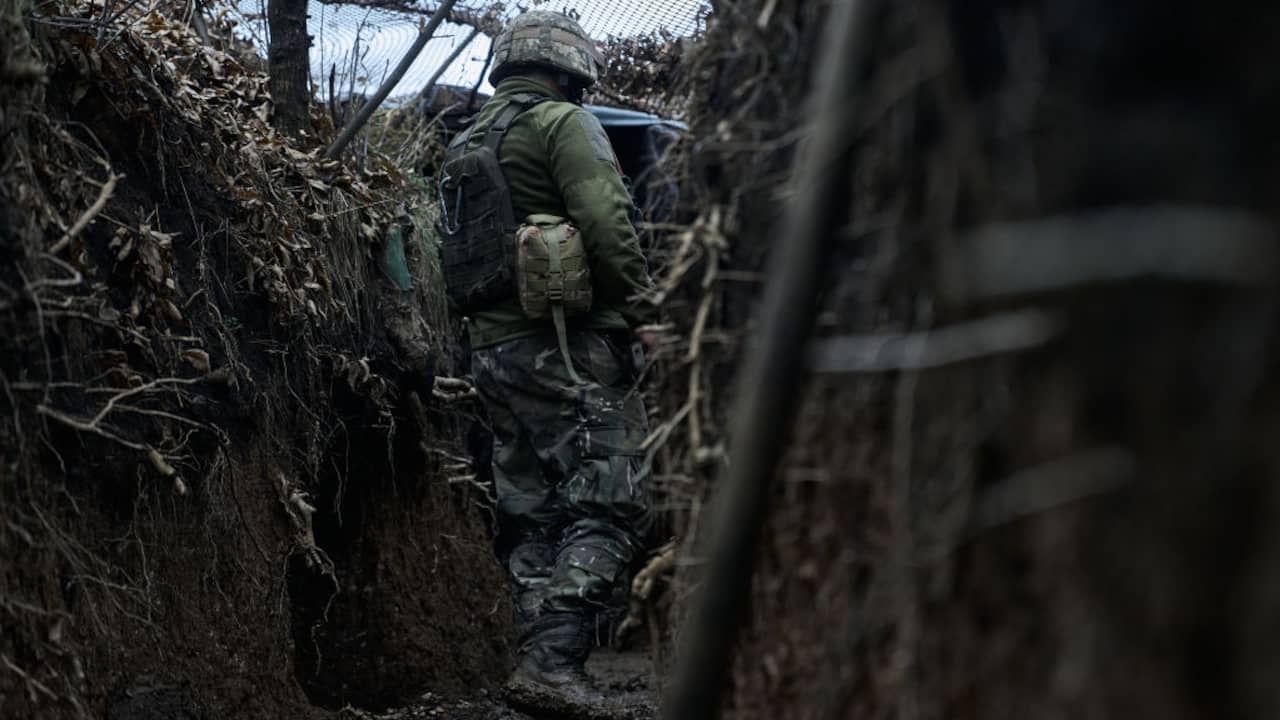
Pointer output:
x,y
493,137
459,142
507,115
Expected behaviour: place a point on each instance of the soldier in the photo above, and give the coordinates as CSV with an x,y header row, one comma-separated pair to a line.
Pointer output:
x,y
572,493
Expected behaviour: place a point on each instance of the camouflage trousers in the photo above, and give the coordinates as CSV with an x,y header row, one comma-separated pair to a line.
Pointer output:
x,y
572,488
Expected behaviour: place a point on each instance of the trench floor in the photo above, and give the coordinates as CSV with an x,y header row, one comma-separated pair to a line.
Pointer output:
x,y
627,678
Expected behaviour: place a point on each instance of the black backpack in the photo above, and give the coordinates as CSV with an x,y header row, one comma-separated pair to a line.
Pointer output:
x,y
477,222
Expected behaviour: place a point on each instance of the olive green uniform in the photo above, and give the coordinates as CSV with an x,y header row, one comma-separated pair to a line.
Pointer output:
x,y
571,485
557,160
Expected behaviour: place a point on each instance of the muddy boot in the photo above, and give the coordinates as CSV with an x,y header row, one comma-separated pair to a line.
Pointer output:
x,y
550,676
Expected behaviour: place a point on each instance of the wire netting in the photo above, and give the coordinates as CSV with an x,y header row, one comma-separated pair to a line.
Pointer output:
x,y
357,45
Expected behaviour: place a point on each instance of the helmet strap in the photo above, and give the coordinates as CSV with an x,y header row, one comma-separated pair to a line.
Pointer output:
x,y
571,87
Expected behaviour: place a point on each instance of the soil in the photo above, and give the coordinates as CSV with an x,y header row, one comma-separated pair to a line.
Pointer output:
x,y
423,602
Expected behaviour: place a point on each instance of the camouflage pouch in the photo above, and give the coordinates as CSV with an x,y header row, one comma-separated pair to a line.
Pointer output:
x,y
552,274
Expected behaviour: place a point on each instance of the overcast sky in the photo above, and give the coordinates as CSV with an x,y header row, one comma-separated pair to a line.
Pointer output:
x,y
383,37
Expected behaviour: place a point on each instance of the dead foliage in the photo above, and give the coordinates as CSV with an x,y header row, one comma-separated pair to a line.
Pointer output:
x,y
196,332
640,72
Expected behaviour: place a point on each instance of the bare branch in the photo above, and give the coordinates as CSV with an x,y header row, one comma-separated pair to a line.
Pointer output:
x,y
104,195
487,21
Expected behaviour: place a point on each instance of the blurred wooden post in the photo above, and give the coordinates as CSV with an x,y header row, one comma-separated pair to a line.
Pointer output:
x,y
767,396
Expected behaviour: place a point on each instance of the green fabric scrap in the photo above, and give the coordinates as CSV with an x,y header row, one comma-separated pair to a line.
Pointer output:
x,y
394,264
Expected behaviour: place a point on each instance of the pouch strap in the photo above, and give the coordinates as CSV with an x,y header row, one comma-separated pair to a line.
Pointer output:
x,y
555,272
562,334
544,219
507,115
555,296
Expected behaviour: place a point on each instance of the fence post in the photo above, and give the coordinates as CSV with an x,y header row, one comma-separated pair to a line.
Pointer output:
x,y
366,110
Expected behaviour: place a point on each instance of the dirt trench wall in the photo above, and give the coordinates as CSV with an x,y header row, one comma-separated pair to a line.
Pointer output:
x,y
210,473
1079,525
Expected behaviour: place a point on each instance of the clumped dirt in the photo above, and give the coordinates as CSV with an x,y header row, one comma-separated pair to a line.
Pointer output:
x,y
433,707
423,603
626,683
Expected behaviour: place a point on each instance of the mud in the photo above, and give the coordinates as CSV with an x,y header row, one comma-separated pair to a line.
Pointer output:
x,y
162,702
627,680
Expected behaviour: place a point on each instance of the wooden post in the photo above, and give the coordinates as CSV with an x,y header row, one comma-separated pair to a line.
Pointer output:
x,y
767,386
366,111
453,56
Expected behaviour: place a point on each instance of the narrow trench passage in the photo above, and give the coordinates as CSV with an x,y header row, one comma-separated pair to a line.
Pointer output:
x,y
420,599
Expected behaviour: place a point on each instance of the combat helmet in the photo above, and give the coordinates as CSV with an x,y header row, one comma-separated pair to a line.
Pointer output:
x,y
550,40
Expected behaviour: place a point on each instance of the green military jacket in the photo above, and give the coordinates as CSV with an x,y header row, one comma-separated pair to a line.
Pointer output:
x,y
557,160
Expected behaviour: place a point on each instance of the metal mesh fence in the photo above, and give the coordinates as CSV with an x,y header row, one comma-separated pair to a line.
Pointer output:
x,y
357,46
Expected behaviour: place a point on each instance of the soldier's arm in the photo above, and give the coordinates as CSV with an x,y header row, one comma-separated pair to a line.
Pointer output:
x,y
586,172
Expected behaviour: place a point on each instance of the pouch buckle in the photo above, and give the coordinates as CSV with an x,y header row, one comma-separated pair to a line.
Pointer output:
x,y
555,286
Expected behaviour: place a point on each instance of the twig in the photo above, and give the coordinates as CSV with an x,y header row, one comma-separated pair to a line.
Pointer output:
x,y
99,321
663,561
1181,243
44,345
450,455
111,402
31,681
104,195
420,130
699,327
94,425
102,21
82,426
75,279
451,390
444,66
372,104
167,416
475,89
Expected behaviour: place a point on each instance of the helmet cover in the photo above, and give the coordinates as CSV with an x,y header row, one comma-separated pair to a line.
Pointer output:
x,y
549,40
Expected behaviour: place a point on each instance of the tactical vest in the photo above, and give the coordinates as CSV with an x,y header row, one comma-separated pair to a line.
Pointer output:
x,y
477,221
486,257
